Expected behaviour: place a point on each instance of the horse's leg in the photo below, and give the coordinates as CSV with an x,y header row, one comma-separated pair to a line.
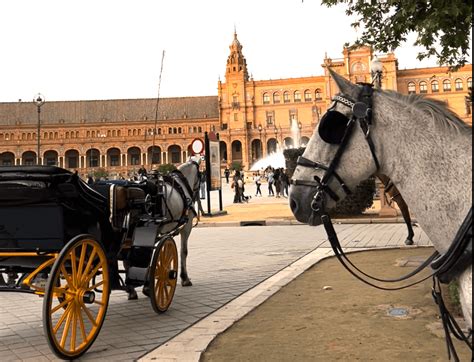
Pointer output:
x,y
406,215
185,232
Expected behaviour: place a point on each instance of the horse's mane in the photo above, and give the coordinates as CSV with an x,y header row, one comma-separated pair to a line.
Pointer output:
x,y
437,109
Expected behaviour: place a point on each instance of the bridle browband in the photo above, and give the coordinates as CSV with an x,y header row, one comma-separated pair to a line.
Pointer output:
x,y
445,267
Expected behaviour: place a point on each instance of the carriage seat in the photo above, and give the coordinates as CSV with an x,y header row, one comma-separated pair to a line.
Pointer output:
x,y
120,200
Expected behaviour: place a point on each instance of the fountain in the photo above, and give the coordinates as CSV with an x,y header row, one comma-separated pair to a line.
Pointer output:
x,y
277,159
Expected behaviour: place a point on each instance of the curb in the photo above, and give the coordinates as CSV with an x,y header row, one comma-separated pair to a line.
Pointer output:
x,y
286,222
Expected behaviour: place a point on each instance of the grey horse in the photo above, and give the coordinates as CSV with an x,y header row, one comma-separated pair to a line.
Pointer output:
x,y
422,147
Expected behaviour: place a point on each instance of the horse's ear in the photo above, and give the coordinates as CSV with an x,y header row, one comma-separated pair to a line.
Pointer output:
x,y
344,85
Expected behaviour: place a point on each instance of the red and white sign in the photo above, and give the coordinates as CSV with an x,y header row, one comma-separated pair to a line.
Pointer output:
x,y
197,146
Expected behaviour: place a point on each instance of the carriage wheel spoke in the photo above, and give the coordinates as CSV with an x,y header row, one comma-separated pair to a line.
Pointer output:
x,y
95,286
88,266
62,343
62,318
80,266
89,276
74,268
88,313
81,324
66,275
60,305
74,327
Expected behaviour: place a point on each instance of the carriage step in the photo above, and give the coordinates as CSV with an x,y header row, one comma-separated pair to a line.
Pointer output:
x,y
136,276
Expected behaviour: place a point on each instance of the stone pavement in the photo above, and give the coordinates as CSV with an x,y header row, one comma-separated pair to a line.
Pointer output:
x,y
223,263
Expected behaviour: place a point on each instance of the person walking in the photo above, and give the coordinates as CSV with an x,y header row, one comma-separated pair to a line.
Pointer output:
x,y
277,182
227,174
284,182
258,183
235,186
270,179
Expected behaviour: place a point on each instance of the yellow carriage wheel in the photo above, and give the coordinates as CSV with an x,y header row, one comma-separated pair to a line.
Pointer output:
x,y
76,297
163,275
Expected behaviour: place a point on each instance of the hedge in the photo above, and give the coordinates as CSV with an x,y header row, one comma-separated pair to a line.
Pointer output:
x,y
355,204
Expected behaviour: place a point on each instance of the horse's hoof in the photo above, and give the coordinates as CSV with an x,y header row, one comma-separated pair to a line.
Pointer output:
x,y
408,242
186,283
132,295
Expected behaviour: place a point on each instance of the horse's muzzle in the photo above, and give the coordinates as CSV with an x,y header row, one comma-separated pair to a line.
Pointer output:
x,y
300,199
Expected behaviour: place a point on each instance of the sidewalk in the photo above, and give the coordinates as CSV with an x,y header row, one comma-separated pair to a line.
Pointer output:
x,y
276,211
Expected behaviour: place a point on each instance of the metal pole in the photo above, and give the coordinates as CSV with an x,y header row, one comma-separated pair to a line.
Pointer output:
x,y
38,136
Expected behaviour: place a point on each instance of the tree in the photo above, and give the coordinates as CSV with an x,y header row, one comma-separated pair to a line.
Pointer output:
x,y
443,27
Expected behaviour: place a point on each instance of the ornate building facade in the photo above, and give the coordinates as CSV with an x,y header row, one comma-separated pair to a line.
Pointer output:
x,y
253,118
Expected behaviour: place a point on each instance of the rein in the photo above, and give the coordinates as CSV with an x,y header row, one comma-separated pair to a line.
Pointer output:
x,y
445,267
189,195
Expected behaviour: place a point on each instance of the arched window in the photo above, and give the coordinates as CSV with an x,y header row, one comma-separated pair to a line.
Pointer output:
x,y
469,83
458,84
109,133
266,98
423,87
67,135
318,95
276,97
411,88
286,97
297,96
180,130
447,85
307,96
435,86
119,133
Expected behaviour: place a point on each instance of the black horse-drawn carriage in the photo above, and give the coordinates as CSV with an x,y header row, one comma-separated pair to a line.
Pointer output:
x,y
71,244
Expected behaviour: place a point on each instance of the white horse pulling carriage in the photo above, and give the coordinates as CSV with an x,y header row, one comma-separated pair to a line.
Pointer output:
x,y
422,147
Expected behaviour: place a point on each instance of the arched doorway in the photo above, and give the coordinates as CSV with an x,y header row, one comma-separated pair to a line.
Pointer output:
x,y
7,159
288,142
133,156
272,145
113,157
174,154
92,157
154,155
237,151
28,158
256,148
304,141
50,158
223,151
71,159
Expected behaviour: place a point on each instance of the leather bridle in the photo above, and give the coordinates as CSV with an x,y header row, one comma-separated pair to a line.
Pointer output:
x,y
445,267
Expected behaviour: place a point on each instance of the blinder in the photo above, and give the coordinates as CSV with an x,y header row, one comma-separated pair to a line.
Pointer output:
x,y
332,127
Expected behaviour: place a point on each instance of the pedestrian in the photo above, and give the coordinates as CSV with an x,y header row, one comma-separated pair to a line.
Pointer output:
x,y
277,182
284,182
258,183
227,174
142,174
270,180
235,186
90,180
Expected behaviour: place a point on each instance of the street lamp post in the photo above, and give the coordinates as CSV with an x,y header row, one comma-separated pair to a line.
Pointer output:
x,y
260,138
38,101
376,72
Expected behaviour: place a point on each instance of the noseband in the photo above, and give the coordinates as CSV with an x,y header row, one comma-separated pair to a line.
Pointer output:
x,y
339,134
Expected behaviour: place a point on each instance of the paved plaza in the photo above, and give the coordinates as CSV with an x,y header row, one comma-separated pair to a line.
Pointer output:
x,y
223,263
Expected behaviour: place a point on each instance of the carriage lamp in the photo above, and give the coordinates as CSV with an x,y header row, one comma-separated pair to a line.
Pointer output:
x,y
376,72
38,101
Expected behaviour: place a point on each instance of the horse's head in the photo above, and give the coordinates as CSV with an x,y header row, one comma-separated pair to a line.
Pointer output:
x,y
338,156
190,171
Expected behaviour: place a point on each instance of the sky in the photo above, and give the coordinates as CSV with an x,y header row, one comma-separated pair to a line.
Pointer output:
x,y
112,49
